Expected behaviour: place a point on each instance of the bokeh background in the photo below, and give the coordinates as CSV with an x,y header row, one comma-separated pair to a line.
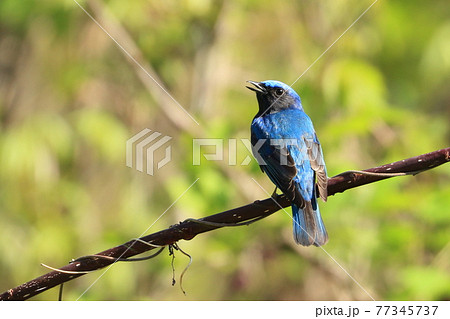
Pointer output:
x,y
70,98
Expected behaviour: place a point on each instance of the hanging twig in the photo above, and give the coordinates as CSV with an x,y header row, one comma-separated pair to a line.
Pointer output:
x,y
189,229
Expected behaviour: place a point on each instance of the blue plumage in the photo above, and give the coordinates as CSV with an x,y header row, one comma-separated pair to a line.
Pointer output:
x,y
288,151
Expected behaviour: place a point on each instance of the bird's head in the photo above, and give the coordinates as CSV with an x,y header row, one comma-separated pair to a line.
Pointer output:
x,y
274,96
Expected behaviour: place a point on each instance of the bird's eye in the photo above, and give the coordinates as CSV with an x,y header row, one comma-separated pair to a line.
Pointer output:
x,y
279,92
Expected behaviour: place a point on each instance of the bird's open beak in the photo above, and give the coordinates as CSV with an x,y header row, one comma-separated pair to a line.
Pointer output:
x,y
259,88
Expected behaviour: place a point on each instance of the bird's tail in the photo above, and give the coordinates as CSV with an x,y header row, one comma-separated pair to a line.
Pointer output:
x,y
308,225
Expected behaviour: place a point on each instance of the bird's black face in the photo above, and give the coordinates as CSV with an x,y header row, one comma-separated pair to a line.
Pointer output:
x,y
273,98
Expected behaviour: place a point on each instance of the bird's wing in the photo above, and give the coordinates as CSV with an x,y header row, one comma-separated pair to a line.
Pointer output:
x,y
281,175
317,162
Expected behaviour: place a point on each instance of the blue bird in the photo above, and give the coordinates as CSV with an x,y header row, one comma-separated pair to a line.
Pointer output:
x,y
288,151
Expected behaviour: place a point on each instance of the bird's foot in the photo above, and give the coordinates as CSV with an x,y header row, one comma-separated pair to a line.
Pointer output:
x,y
274,194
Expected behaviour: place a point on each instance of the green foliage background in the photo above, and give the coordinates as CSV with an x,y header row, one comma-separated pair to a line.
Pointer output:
x,y
70,98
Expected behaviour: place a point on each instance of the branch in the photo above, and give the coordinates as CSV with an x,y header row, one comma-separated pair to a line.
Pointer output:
x,y
189,229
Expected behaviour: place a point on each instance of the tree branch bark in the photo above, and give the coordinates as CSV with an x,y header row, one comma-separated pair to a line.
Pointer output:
x,y
189,229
